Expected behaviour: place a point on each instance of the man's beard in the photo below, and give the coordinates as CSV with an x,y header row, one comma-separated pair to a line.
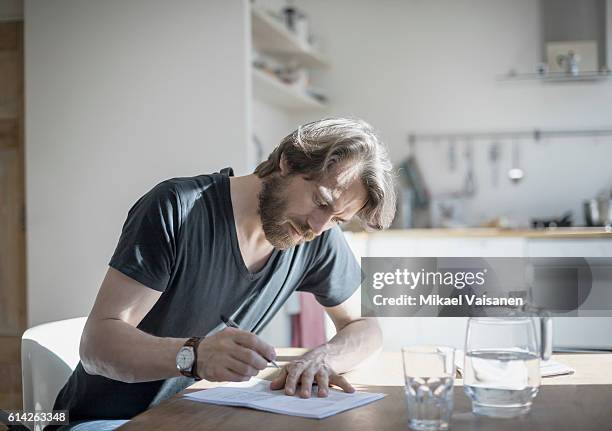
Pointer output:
x,y
272,207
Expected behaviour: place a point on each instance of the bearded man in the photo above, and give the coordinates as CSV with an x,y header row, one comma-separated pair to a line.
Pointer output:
x,y
194,249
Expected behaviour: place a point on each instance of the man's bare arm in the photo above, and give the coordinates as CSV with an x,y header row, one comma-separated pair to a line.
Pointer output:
x,y
113,347
356,339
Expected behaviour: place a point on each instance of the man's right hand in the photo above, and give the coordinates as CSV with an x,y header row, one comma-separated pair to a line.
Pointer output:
x,y
232,355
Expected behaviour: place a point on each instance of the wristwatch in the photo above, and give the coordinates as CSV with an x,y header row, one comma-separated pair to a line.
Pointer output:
x,y
187,358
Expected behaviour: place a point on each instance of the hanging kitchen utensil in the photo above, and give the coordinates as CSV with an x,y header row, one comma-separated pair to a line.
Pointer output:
x,y
452,155
469,186
515,174
413,179
494,162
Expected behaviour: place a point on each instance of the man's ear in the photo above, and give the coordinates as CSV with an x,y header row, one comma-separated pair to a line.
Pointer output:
x,y
283,166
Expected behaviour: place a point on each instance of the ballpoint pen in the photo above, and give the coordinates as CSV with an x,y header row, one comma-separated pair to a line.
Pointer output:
x,y
230,323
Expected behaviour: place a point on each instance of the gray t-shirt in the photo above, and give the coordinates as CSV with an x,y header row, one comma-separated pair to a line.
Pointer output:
x,y
180,239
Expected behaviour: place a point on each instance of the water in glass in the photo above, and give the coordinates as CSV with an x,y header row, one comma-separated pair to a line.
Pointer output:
x,y
502,366
429,376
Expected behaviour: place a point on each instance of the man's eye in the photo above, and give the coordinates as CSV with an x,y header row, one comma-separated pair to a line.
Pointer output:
x,y
320,204
338,221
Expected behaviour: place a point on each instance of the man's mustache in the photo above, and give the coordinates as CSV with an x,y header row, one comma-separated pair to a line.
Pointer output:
x,y
304,231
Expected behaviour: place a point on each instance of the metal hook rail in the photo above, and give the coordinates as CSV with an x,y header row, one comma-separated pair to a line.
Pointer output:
x,y
535,134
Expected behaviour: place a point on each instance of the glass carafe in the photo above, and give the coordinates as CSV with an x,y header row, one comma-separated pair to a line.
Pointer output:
x,y
501,373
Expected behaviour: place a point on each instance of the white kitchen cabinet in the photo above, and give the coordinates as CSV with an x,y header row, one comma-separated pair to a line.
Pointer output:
x,y
569,332
407,246
358,244
400,332
472,247
580,332
404,331
596,247
389,246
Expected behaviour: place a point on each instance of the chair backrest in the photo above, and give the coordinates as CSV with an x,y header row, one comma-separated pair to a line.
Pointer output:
x,y
49,354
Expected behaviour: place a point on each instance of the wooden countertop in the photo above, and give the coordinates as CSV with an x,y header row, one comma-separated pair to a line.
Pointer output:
x,y
554,233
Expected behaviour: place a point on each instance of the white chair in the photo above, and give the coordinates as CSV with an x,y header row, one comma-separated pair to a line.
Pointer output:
x,y
49,354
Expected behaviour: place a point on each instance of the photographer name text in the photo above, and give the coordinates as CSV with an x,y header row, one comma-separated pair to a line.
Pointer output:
x,y
437,300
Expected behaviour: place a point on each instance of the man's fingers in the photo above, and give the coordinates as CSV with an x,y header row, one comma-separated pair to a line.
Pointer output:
x,y
253,342
249,357
279,381
232,371
294,371
322,378
226,375
306,381
240,368
340,381
306,374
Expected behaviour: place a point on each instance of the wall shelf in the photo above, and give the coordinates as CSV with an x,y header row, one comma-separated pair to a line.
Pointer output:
x,y
270,36
268,88
557,76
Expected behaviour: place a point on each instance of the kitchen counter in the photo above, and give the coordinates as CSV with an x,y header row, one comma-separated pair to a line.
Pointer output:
x,y
555,233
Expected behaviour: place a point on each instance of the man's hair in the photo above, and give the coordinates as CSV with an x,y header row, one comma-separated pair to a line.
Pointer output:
x,y
314,148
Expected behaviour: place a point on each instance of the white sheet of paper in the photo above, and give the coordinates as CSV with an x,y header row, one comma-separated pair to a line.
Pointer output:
x,y
256,394
547,368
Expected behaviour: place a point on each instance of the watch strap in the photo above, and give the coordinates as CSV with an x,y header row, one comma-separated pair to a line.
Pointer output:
x,y
193,342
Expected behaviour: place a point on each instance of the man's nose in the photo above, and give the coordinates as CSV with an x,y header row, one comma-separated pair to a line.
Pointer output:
x,y
319,222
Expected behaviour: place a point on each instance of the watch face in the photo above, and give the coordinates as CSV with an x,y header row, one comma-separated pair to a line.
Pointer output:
x,y
184,359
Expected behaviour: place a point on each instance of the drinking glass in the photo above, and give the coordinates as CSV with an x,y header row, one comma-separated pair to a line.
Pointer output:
x,y
502,365
429,373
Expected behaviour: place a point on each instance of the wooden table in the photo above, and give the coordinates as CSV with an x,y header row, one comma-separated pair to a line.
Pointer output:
x,y
582,401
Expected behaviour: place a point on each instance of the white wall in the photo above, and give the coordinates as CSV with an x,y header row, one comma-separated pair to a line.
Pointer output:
x,y
119,96
431,66
270,124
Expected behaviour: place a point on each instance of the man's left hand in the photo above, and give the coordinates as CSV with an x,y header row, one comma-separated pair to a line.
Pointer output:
x,y
310,369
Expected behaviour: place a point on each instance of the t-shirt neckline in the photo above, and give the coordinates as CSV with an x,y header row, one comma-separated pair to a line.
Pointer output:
x,y
231,221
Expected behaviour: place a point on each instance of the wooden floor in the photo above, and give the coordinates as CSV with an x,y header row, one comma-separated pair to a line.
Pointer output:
x,y
10,373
